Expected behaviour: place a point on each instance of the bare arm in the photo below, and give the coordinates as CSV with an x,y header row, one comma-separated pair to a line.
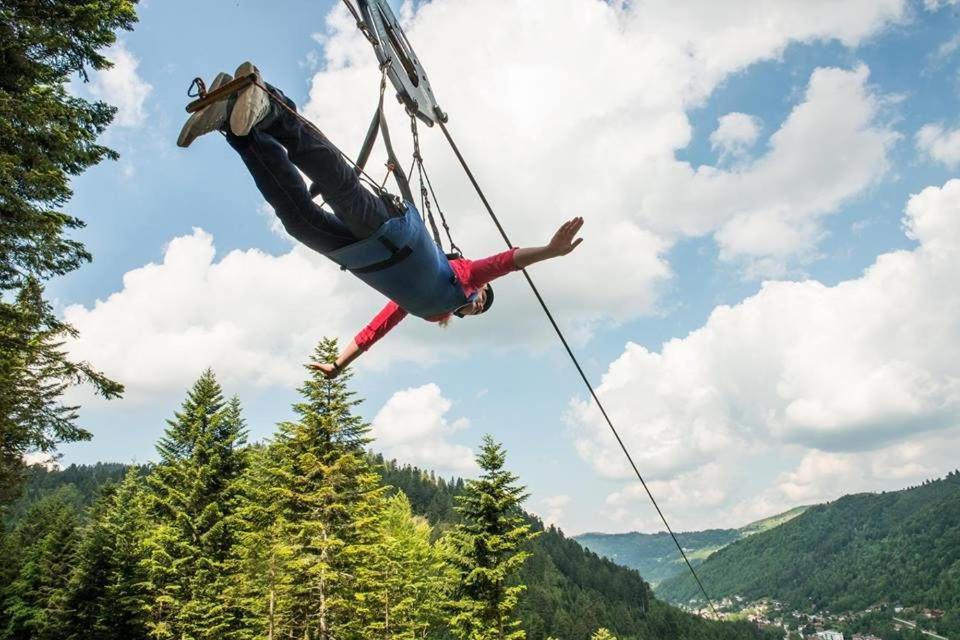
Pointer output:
x,y
350,353
562,243
387,319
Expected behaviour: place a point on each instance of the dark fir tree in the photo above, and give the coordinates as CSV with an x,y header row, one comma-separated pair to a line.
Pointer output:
x,y
106,597
46,136
192,502
32,605
488,551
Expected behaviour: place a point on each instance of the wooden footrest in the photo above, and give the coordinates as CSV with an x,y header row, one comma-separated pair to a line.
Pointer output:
x,y
222,93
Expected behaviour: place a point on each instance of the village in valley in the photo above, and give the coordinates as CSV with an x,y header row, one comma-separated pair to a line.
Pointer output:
x,y
823,625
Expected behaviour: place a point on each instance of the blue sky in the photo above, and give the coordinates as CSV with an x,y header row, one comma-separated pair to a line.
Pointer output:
x,y
710,152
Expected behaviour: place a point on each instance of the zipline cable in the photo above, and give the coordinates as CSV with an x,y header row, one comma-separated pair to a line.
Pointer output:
x,y
576,363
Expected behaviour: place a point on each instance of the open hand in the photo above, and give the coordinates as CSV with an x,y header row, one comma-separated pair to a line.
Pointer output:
x,y
563,241
326,368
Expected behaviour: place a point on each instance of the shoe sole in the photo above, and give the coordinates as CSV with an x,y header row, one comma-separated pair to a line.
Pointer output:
x,y
207,119
252,103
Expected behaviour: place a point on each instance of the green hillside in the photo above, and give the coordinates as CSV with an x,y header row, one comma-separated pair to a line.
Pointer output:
x,y
900,547
655,555
570,591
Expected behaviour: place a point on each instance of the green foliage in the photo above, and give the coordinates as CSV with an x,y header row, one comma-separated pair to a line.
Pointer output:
x,y
487,551
603,634
192,502
46,136
105,596
896,547
32,601
310,516
655,555
302,538
88,482
409,575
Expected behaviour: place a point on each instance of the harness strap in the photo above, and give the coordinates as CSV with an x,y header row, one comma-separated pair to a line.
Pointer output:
x,y
397,255
398,173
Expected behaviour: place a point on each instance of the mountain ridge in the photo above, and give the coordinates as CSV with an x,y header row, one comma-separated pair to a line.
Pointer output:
x,y
655,555
898,548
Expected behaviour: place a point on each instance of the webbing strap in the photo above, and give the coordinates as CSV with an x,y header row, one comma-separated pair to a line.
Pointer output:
x,y
397,255
398,173
396,258
368,141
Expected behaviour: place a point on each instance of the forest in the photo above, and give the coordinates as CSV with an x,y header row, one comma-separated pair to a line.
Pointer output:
x,y
309,536
896,548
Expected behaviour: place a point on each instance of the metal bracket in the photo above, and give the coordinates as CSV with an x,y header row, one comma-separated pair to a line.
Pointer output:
x,y
403,67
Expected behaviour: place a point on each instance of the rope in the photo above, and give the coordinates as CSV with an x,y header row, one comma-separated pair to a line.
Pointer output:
x,y
361,25
363,174
424,197
576,363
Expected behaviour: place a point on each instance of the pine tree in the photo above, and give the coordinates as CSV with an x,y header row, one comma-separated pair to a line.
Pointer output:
x,y
32,603
106,598
193,502
410,577
46,136
263,588
488,551
324,500
603,634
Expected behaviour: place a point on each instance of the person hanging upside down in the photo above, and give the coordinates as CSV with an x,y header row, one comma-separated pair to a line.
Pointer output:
x,y
381,240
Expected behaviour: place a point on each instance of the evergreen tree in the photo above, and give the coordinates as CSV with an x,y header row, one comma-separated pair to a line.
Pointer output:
x,y
263,588
46,136
409,574
603,634
106,599
32,604
193,502
324,499
488,551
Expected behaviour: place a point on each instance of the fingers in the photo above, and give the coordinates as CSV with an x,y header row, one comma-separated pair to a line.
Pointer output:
x,y
571,227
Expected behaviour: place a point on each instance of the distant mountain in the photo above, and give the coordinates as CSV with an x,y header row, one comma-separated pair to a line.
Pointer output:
x,y
900,547
655,555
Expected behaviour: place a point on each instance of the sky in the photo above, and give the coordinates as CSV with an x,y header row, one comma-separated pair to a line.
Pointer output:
x,y
765,297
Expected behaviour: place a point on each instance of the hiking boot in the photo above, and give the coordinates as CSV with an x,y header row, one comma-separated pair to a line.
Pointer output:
x,y
210,118
252,103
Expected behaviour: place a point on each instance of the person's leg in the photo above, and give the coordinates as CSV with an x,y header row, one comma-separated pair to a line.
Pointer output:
x,y
359,209
284,189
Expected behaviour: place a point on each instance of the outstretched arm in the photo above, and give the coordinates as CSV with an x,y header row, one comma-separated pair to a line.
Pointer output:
x,y
563,242
384,321
350,353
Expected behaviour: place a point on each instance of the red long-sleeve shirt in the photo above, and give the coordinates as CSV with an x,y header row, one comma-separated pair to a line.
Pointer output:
x,y
472,275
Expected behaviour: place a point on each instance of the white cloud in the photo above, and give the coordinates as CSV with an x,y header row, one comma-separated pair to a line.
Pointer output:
x,y
942,145
828,150
552,509
934,5
42,459
859,380
251,316
122,87
553,130
735,134
413,428
742,487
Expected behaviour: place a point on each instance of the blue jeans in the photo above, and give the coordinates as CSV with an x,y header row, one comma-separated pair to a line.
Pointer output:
x,y
273,151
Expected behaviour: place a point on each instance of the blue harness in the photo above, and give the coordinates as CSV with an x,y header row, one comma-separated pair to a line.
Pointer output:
x,y
402,262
